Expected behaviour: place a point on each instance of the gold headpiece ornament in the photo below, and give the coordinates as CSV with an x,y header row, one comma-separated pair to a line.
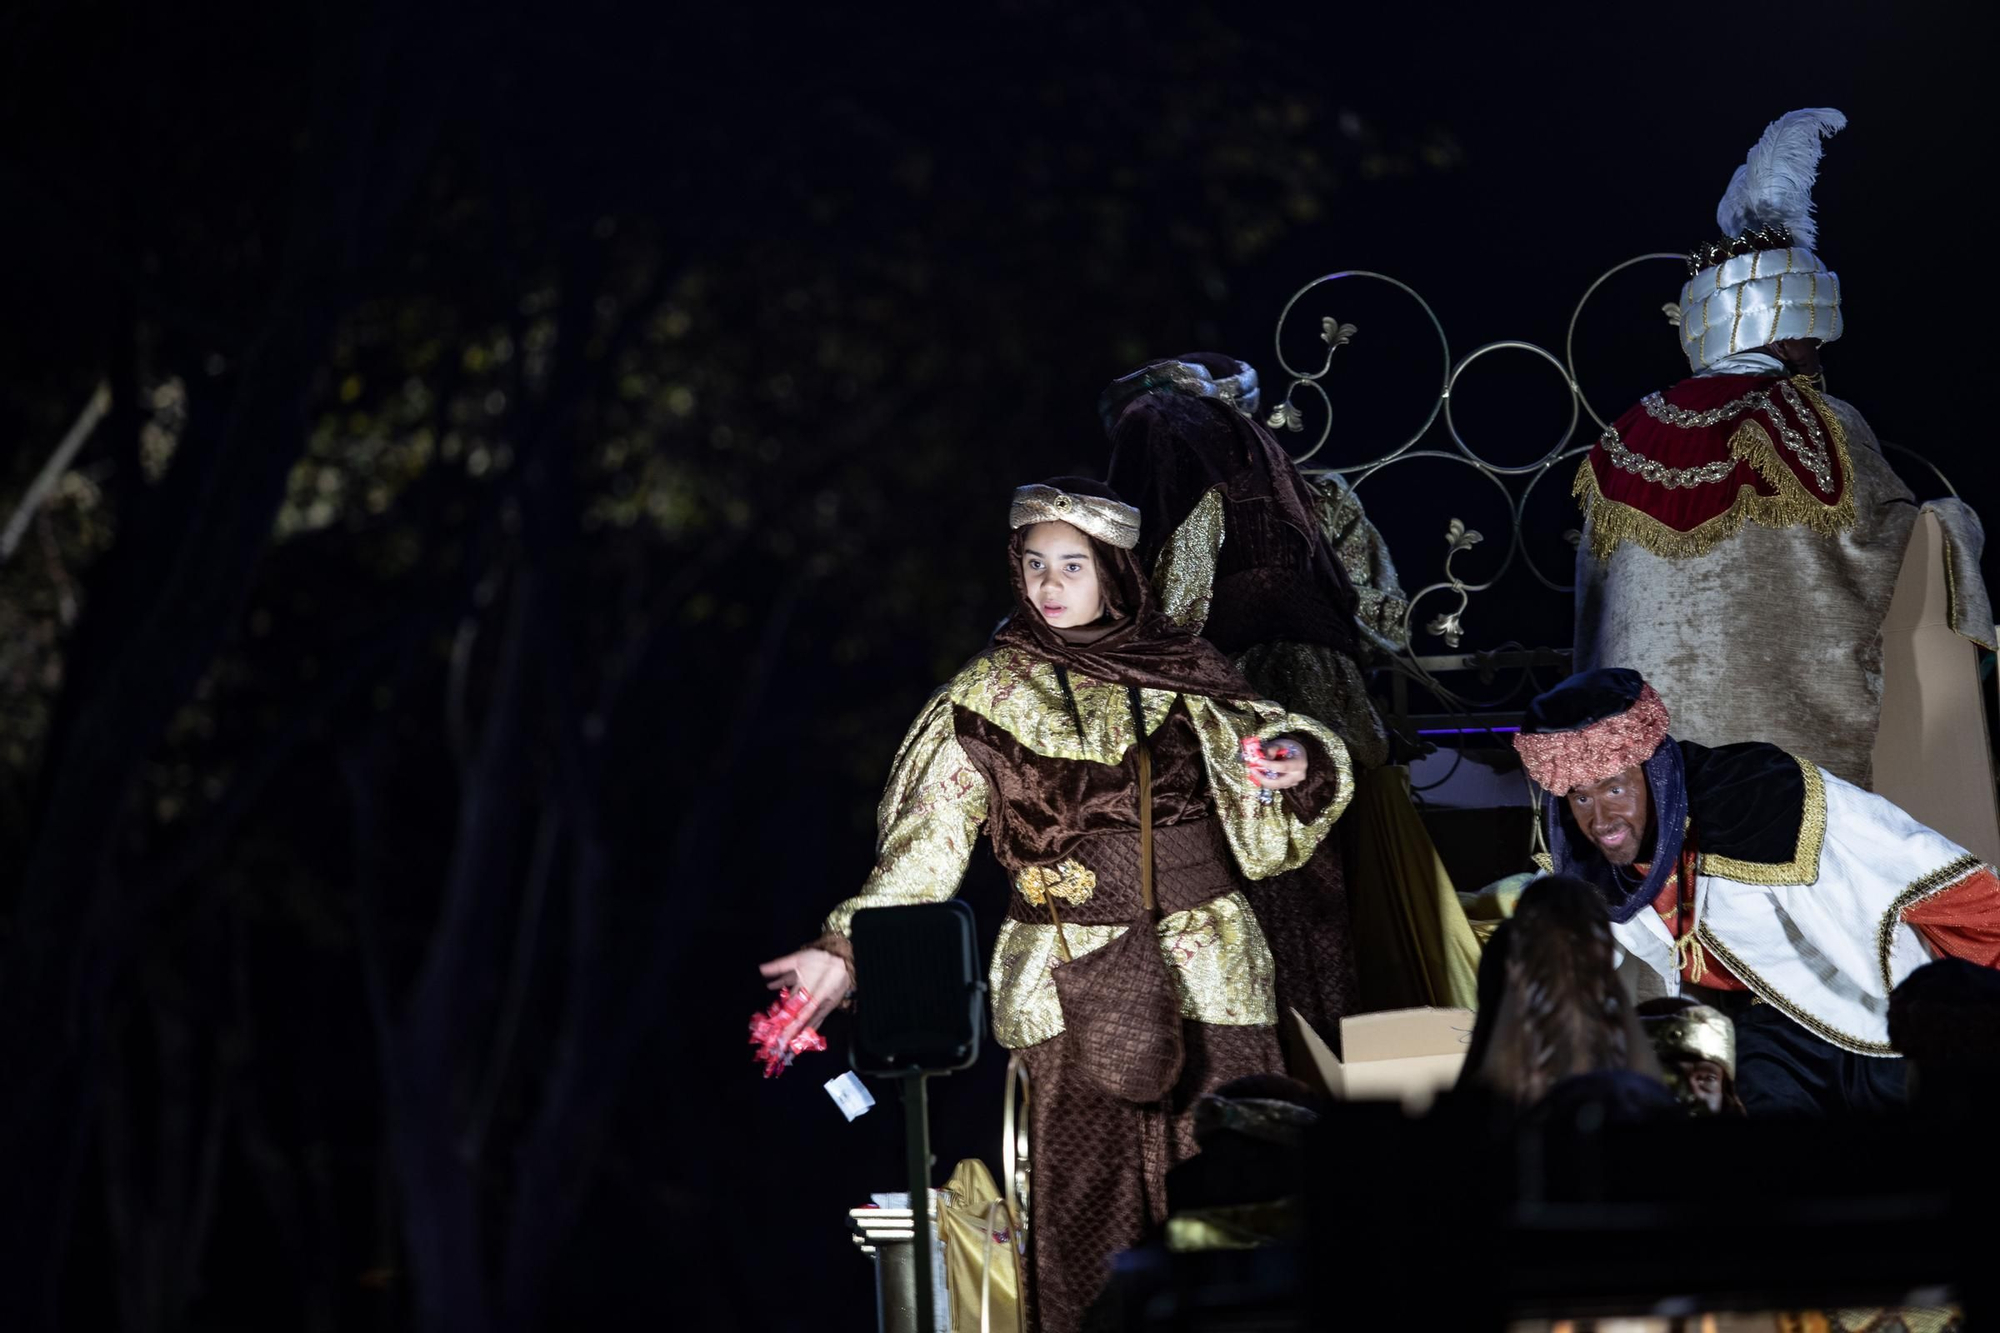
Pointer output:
x,y
1698,1033
1110,522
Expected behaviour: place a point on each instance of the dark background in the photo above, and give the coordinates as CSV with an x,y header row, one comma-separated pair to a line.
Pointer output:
x,y
551,457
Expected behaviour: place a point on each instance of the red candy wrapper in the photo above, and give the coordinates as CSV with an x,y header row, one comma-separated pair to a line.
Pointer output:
x,y
766,1031
1253,755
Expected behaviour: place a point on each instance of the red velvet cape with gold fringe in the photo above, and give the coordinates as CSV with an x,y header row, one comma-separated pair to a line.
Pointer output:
x,y
1686,467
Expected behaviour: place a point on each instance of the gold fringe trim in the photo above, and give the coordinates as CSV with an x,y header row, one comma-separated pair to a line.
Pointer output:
x,y
1944,877
1611,522
1803,868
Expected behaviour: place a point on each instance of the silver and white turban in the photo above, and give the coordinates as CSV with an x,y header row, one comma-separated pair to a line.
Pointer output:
x,y
1765,284
1755,299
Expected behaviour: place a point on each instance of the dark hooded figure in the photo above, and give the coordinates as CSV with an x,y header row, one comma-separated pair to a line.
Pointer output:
x,y
1290,581
1556,1027
1242,546
1098,747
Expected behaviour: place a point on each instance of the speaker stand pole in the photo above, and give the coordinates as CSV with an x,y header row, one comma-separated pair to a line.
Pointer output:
x,y
917,1135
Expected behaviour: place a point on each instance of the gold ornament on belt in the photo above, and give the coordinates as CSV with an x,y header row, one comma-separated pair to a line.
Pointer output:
x,y
1071,881
1109,521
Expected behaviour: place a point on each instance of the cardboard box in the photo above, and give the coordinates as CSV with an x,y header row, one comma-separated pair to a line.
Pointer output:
x,y
1407,1055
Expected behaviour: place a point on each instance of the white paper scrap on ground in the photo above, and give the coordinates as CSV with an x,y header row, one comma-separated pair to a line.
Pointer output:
x,y
849,1094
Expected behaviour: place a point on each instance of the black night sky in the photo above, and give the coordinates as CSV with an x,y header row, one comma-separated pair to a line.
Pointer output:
x,y
550,455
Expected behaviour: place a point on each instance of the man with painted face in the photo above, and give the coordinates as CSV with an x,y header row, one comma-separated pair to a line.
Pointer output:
x,y
1757,883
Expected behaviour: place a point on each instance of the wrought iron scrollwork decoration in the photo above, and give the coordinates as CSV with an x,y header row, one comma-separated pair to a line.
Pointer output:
x,y
1448,625
1293,419
1335,335
1671,310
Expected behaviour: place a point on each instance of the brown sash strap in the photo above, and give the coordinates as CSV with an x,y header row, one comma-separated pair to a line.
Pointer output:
x,y
1145,803
1062,945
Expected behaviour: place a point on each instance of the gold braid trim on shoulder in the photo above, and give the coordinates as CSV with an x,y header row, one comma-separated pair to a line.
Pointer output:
x,y
1753,444
1788,1008
1612,522
1803,868
1946,876
1020,694
1184,575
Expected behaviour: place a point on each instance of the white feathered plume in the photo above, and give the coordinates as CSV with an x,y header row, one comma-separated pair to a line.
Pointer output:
x,y
1774,184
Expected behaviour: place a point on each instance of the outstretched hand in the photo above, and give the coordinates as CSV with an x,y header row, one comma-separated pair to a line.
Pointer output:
x,y
823,976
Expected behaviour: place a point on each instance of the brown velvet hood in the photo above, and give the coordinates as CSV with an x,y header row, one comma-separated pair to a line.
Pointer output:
x,y
1170,445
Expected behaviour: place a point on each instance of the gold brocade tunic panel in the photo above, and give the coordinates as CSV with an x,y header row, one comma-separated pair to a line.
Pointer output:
x,y
1000,747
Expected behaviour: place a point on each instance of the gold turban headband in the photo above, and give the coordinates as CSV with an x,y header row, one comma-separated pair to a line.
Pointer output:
x,y
1697,1033
1110,522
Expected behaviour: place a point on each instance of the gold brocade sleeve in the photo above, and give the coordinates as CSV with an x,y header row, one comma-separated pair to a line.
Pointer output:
x,y
1381,607
1267,839
929,816
1184,575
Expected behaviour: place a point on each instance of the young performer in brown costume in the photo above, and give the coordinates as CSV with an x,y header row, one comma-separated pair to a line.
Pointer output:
x,y
1128,1012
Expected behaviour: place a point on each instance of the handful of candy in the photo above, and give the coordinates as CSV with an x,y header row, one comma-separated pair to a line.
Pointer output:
x,y
767,1033
1253,755
1257,757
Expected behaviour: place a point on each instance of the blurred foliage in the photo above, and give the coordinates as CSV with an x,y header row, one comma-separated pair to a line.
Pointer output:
x,y
781,346
905,313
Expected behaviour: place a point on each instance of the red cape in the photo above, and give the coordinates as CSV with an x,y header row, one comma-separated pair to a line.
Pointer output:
x,y
1687,467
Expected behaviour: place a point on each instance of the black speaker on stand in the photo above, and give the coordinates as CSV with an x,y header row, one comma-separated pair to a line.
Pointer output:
x,y
917,1012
